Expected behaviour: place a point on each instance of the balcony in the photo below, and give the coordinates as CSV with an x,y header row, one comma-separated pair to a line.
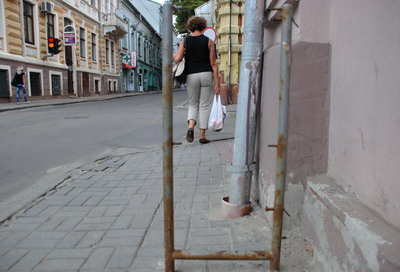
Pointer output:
x,y
114,25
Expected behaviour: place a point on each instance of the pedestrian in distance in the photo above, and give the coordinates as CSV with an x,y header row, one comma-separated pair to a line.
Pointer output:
x,y
19,82
202,76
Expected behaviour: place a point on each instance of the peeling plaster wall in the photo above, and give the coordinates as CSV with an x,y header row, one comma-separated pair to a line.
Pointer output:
x,y
345,235
364,151
308,123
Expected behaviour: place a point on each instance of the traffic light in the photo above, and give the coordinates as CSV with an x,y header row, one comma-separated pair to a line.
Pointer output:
x,y
53,45
57,46
50,45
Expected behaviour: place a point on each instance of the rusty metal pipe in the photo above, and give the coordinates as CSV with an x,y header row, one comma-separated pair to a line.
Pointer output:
x,y
284,88
249,88
254,256
168,194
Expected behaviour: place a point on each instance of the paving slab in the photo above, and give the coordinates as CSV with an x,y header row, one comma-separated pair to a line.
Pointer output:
x,y
113,220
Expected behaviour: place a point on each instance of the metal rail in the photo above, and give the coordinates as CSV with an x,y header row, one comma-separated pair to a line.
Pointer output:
x,y
168,190
170,253
284,87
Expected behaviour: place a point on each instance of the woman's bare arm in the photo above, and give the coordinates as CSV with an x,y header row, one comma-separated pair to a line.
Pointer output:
x,y
178,56
214,65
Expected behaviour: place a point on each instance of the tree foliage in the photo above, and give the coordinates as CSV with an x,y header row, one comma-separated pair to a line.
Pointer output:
x,y
184,13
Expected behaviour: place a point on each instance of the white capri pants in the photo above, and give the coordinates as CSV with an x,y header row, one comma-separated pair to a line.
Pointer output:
x,y
200,91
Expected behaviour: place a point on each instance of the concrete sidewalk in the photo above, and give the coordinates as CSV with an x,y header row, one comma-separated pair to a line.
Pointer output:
x,y
108,216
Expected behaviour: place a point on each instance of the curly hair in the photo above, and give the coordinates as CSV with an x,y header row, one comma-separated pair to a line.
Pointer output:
x,y
196,23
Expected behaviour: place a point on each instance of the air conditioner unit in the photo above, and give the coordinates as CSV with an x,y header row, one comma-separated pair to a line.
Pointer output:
x,y
47,7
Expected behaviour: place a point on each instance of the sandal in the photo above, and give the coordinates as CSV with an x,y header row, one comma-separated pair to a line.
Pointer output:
x,y
190,135
204,141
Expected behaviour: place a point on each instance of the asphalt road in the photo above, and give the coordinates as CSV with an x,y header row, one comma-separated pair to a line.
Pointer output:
x,y
39,144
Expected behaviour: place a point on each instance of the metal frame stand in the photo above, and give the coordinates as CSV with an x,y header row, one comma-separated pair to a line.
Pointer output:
x,y
171,254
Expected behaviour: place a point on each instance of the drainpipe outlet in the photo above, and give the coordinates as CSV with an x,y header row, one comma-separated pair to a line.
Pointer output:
x,y
230,210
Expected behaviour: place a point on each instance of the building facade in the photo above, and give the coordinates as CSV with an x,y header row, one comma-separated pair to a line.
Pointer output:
x,y
141,47
89,67
229,20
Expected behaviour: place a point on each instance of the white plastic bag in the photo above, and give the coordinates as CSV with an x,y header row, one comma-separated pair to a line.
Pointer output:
x,y
217,115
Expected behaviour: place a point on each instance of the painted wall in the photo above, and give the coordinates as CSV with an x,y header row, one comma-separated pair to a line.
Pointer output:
x,y
363,112
308,123
343,123
364,152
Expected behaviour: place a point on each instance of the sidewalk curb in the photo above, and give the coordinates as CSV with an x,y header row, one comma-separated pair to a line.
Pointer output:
x,y
74,100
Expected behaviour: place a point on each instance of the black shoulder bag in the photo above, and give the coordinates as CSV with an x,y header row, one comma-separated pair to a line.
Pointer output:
x,y
14,81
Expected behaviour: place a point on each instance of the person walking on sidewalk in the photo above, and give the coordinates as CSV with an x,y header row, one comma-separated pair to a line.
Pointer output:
x,y
20,79
202,73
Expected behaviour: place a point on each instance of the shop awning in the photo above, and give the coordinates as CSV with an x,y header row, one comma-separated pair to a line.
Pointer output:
x,y
124,65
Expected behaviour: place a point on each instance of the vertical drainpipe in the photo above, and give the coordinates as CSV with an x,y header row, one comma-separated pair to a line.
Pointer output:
x,y
230,54
284,86
250,83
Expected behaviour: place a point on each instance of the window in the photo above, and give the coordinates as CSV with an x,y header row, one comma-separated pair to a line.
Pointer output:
x,y
35,79
50,25
67,22
139,47
107,51
28,23
93,3
55,84
5,79
144,50
112,53
108,6
82,42
94,47
124,42
133,44
149,52
143,47
96,86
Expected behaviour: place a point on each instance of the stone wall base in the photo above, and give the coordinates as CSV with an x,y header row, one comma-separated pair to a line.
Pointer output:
x,y
344,234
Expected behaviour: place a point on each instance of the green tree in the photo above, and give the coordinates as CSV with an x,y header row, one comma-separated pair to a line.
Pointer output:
x,y
185,12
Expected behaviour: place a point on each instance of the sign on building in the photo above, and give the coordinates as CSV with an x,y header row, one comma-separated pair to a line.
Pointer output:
x,y
69,35
133,58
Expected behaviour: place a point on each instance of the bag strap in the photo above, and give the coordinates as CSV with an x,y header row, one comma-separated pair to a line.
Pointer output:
x,y
184,47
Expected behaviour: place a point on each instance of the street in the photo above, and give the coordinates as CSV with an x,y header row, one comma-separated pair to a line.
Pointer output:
x,y
39,144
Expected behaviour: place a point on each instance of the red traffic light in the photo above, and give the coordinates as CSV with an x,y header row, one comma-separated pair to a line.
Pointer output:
x,y
51,45
54,45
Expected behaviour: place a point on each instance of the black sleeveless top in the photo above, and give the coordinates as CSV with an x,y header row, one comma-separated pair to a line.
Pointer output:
x,y
20,78
197,55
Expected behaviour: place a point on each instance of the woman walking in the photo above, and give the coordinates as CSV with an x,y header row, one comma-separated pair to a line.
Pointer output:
x,y
202,75
20,84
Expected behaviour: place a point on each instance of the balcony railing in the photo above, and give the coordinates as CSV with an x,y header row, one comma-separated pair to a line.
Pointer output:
x,y
114,24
